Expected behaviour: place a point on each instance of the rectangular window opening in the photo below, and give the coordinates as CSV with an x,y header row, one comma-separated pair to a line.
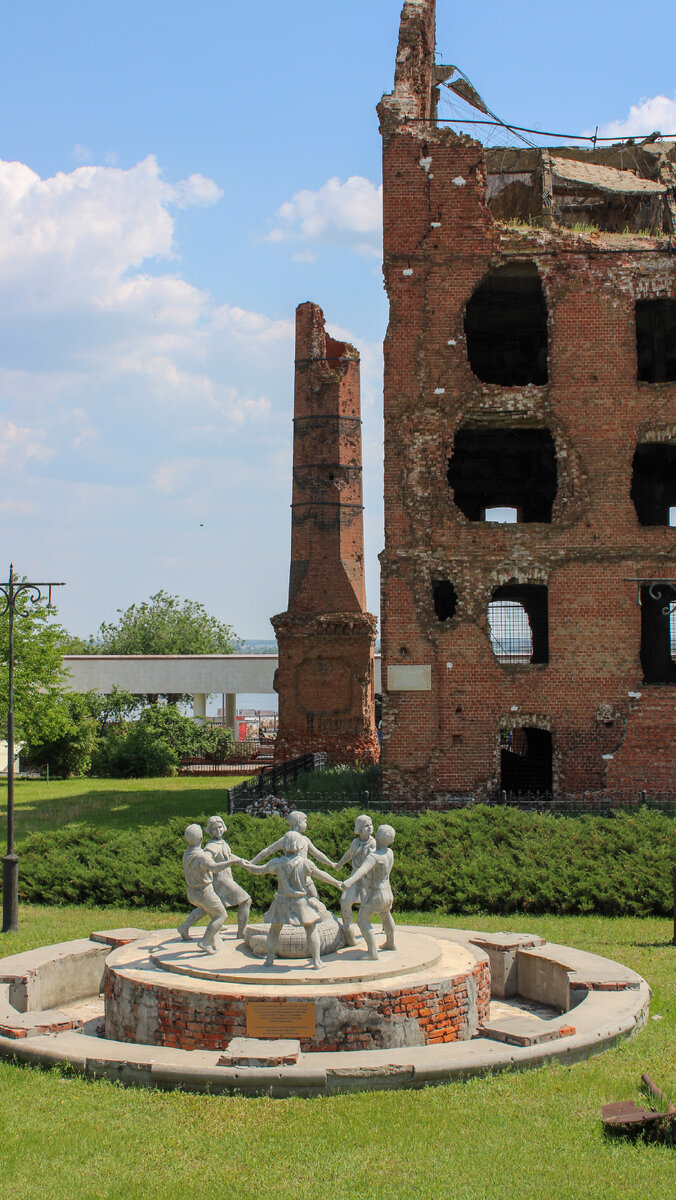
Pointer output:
x,y
518,618
658,637
502,516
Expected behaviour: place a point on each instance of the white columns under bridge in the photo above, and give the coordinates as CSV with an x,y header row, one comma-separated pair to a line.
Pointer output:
x,y
199,675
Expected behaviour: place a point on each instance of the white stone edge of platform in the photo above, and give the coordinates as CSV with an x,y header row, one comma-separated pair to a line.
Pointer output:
x,y
602,1018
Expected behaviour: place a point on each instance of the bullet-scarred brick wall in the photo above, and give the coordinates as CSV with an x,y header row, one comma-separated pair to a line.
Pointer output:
x,y
608,727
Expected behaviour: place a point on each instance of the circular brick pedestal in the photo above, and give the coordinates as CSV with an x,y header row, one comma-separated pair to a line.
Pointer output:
x,y
163,992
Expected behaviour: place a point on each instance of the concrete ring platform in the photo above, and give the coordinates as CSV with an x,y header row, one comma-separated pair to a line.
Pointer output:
x,y
592,1003
236,963
166,992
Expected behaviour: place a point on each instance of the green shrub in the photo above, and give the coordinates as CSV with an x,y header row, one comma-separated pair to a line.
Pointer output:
x,y
133,752
467,861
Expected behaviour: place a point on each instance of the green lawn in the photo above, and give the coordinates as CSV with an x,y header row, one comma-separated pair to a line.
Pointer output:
x,y
508,1137
111,803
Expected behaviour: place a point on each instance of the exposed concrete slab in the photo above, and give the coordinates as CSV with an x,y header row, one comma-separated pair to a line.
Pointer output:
x,y
258,1052
47,977
118,937
502,949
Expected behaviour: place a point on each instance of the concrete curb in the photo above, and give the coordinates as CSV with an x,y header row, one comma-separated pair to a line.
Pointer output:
x,y
606,1003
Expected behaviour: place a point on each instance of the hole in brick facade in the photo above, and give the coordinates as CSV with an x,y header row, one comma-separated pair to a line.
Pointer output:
x,y
502,516
653,483
658,638
445,599
518,617
504,469
506,327
656,340
526,760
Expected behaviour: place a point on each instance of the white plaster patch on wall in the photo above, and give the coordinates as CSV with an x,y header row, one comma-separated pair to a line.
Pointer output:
x,y
426,163
408,271
436,224
439,391
451,342
409,679
459,181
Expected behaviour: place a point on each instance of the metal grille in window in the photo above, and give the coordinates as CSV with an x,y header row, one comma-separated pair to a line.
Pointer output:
x,y
511,636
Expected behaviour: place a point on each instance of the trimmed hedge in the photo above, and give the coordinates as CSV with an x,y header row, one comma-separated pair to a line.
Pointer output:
x,y
467,861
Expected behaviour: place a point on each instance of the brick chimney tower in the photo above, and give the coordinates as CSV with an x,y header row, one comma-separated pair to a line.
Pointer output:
x,y
325,679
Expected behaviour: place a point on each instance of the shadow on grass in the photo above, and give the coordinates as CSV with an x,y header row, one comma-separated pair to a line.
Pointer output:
x,y
116,809
652,945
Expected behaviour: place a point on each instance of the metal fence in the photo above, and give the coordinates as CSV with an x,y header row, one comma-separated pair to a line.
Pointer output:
x,y
604,802
269,779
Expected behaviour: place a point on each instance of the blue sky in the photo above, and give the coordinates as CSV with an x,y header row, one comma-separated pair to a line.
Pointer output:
x,y
175,178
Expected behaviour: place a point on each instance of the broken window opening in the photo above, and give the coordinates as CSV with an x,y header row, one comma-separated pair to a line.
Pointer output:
x,y
653,483
656,340
445,599
526,760
502,515
504,469
658,639
506,327
518,618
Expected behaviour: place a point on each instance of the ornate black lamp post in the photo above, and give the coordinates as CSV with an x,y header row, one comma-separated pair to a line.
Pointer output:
x,y
10,863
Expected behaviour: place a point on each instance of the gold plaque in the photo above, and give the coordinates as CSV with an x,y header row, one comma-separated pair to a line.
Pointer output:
x,y
268,1019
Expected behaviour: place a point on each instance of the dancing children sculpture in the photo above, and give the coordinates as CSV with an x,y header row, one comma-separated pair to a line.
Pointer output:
x,y
374,874
356,854
294,903
199,867
228,891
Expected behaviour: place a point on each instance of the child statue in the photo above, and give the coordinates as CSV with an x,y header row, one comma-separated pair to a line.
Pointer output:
x,y
228,891
292,903
374,877
199,867
297,822
357,852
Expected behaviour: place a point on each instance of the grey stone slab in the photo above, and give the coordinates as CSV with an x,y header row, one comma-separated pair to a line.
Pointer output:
x,y
118,937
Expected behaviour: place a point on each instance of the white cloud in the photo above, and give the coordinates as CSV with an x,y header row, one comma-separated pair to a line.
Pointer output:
x,y
653,113
19,443
344,214
133,408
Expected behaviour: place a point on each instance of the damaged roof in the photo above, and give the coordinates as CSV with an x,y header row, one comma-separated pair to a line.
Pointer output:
x,y
603,179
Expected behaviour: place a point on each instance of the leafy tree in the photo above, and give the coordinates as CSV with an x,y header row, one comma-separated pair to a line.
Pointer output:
x,y
70,751
164,624
152,745
111,708
39,678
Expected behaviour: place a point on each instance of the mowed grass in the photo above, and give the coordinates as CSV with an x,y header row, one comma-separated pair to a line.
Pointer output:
x,y
514,1136
111,803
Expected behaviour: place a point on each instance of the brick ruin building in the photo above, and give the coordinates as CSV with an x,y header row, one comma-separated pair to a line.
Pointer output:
x,y
325,678
530,377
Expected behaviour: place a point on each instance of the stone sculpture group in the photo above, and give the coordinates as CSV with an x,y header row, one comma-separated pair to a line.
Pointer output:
x,y
212,889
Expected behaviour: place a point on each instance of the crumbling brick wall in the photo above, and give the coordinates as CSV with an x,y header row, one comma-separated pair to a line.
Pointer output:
x,y
455,710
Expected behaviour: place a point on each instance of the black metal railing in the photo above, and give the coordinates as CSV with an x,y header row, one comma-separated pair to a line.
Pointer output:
x,y
270,779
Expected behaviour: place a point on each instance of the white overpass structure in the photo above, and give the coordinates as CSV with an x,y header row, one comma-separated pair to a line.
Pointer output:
x,y
197,674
